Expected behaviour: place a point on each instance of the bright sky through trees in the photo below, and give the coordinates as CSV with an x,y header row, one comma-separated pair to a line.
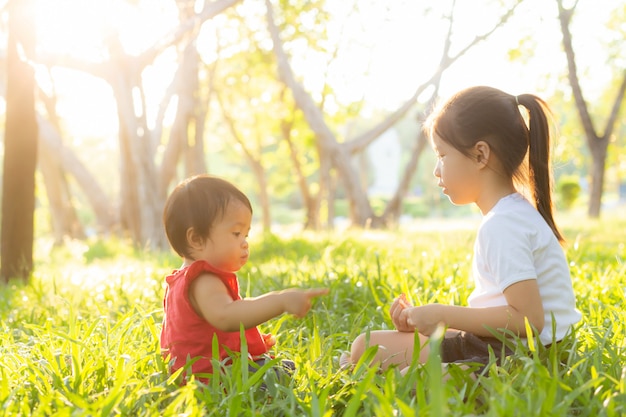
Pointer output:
x,y
387,49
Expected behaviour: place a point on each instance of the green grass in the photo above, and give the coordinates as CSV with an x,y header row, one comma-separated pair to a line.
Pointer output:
x,y
82,337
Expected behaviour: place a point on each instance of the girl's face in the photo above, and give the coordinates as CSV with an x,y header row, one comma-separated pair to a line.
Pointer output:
x,y
227,246
456,172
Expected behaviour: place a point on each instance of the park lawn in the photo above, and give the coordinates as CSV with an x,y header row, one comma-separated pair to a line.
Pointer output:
x,y
82,337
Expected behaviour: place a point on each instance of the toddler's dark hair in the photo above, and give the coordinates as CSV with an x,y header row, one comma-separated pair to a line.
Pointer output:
x,y
197,203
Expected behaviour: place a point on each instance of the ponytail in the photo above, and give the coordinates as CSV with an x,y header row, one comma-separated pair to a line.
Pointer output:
x,y
540,176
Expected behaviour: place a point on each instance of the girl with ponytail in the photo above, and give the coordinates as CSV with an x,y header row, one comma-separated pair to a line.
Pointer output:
x,y
491,155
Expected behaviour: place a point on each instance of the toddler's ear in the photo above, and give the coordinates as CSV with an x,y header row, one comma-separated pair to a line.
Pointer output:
x,y
194,240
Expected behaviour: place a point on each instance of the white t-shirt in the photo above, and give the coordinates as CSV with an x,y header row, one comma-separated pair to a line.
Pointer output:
x,y
513,244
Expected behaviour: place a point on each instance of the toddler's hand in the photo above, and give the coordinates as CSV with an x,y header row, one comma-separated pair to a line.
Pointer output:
x,y
298,302
269,340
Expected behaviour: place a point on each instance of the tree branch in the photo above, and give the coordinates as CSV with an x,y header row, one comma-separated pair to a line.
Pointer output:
x,y
610,123
365,139
565,16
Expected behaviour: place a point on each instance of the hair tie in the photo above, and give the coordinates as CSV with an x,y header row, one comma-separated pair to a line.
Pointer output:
x,y
516,101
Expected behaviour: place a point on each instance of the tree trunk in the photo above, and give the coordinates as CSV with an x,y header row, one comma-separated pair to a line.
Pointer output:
x,y
309,202
52,148
197,118
63,218
597,144
140,201
141,206
598,169
264,197
255,162
340,153
329,184
393,210
186,140
360,208
20,152
394,207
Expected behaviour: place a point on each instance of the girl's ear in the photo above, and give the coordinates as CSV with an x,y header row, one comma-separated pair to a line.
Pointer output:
x,y
482,152
194,240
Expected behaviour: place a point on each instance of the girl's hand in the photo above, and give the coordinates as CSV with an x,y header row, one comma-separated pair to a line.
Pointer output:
x,y
399,305
424,319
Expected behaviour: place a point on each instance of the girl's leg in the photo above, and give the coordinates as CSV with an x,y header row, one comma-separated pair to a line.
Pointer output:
x,y
394,347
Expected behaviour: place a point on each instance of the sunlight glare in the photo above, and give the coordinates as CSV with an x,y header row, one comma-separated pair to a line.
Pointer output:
x,y
69,27
385,52
86,103
82,28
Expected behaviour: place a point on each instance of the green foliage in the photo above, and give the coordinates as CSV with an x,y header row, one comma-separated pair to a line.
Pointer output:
x,y
568,188
415,207
82,337
107,249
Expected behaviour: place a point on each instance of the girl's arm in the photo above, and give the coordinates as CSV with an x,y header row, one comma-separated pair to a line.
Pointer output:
x,y
211,300
523,300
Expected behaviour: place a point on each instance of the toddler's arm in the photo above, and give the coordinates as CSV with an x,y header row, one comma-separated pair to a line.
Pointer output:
x,y
211,300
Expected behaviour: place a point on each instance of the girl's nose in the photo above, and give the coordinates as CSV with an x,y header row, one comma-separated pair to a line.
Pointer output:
x,y
437,171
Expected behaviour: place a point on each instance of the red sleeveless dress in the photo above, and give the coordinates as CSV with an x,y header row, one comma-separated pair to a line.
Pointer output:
x,y
186,335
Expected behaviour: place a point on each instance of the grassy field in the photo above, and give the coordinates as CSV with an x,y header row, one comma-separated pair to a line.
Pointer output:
x,y
82,337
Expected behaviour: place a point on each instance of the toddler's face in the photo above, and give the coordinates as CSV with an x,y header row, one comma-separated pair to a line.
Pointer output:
x,y
227,246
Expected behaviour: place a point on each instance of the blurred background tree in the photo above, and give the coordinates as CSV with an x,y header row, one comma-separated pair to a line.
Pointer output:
x,y
20,150
597,142
286,97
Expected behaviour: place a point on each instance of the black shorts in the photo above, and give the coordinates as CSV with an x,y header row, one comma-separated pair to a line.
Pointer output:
x,y
464,347
282,372
287,366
